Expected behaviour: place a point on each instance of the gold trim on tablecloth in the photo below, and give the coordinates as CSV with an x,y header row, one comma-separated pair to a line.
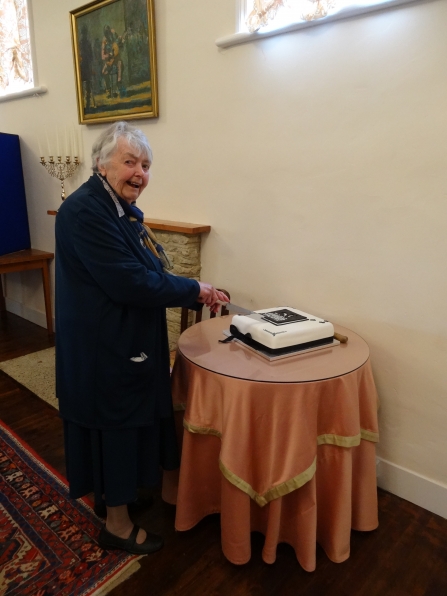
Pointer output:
x,y
289,485
201,430
179,407
275,492
340,441
326,439
369,435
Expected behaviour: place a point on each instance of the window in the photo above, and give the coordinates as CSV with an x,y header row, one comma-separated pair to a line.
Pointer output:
x,y
263,18
16,63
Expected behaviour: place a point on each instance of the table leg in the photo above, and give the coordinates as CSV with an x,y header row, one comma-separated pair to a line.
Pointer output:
x,y
2,297
47,296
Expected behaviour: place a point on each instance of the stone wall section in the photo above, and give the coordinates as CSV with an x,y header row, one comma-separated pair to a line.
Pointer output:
x,y
184,252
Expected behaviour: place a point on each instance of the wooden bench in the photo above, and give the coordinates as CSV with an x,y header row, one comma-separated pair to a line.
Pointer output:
x,y
23,260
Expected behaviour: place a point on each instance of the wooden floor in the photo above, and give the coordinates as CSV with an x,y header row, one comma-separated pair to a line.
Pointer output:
x,y
405,556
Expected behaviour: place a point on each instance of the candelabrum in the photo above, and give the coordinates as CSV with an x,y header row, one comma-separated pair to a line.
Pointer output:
x,y
61,169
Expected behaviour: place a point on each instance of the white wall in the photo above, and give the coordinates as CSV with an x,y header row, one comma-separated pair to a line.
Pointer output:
x,y
319,159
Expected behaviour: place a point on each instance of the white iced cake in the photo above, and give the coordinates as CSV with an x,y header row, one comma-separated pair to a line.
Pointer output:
x,y
281,329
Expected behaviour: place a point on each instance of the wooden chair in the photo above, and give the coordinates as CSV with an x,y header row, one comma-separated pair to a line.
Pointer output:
x,y
197,317
198,314
24,260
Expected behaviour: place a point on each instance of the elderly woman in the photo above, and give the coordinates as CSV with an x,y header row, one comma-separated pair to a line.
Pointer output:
x,y
112,354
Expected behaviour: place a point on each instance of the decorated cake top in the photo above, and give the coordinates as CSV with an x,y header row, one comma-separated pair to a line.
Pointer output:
x,y
281,328
283,317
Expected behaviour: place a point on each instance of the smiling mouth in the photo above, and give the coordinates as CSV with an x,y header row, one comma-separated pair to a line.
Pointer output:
x,y
134,184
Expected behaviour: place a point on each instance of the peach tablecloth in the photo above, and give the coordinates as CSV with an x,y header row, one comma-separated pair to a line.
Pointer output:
x,y
284,448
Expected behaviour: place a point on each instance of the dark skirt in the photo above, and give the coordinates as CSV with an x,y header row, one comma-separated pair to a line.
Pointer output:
x,y
116,463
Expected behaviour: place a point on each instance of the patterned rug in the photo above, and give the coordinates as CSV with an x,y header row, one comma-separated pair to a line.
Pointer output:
x,y
36,372
47,540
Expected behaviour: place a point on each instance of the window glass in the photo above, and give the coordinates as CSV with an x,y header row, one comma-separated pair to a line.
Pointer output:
x,y
268,15
16,68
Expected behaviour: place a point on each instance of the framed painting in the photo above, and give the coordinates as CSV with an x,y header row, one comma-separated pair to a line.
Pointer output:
x,y
115,60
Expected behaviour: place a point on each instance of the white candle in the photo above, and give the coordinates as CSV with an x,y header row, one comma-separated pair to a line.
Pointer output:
x,y
57,143
73,140
81,152
70,142
40,148
66,148
48,144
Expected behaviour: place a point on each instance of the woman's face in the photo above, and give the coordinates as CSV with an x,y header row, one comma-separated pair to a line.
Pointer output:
x,y
127,173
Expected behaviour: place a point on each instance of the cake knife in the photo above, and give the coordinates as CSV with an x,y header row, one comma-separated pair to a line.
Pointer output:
x,y
240,310
235,308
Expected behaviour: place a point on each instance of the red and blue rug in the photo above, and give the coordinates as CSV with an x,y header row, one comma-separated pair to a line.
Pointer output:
x,y
47,540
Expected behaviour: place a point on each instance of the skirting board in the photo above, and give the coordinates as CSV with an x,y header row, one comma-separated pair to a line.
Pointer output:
x,y
35,316
412,487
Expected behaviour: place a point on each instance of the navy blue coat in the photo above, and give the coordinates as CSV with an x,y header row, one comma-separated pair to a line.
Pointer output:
x,y
111,296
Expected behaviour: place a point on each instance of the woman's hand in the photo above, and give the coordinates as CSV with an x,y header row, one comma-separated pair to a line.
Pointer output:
x,y
211,297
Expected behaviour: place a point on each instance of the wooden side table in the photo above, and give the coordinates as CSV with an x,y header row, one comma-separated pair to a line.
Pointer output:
x,y
23,260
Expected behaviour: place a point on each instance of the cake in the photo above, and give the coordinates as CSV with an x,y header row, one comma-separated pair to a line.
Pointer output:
x,y
281,330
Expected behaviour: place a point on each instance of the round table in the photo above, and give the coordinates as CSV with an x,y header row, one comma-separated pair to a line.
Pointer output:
x,y
286,447
200,345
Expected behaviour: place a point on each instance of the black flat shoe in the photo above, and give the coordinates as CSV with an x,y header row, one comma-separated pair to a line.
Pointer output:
x,y
108,541
139,505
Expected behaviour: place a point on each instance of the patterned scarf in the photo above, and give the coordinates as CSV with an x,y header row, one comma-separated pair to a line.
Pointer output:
x,y
136,217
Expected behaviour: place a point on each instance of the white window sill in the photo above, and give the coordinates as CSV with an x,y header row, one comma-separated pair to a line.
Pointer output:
x,y
346,13
26,93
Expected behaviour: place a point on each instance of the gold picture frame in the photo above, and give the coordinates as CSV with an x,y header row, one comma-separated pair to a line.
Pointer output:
x,y
115,60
